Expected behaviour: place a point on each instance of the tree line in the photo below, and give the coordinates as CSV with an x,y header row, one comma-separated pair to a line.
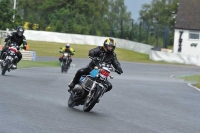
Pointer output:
x,y
90,17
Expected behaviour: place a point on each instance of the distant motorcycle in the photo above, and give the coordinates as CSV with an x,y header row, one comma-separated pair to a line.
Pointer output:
x,y
65,62
91,87
10,58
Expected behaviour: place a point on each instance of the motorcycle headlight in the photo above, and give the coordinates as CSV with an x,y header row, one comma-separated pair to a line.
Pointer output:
x,y
12,53
103,64
65,54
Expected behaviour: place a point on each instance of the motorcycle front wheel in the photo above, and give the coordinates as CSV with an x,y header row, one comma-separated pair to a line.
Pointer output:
x,y
71,102
63,67
92,100
66,68
5,68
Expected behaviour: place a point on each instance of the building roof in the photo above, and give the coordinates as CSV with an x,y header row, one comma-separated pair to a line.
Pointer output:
x,y
188,16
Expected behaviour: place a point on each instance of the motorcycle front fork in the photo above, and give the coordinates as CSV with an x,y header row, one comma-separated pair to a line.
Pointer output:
x,y
92,89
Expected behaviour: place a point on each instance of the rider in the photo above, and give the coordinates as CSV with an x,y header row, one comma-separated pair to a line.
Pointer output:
x,y
69,50
106,53
19,39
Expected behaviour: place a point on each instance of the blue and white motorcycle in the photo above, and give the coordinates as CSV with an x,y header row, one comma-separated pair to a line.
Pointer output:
x,y
91,87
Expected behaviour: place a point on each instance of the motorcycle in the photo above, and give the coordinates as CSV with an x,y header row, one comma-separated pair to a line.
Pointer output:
x,y
91,87
10,58
65,62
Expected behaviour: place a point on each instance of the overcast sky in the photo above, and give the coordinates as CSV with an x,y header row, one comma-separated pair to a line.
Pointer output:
x,y
134,6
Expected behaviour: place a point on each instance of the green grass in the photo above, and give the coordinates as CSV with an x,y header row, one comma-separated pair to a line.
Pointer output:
x,y
128,55
194,78
52,49
197,85
27,64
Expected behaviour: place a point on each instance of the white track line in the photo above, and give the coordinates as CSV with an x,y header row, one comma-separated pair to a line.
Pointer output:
x,y
189,84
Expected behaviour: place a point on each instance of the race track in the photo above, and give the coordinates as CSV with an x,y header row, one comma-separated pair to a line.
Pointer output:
x,y
147,98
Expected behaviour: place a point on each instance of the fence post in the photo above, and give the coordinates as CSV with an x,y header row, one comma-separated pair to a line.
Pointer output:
x,y
140,26
122,28
132,30
166,37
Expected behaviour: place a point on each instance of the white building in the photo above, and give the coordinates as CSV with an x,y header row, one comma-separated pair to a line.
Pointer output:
x,y
188,22
186,48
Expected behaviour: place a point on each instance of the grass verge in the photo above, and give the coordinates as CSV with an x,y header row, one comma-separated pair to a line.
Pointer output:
x,y
27,64
195,78
52,49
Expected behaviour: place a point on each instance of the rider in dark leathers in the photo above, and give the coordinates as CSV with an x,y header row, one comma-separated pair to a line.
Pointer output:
x,y
19,39
106,53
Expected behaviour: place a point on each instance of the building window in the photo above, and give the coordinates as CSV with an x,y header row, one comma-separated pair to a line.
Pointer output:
x,y
194,35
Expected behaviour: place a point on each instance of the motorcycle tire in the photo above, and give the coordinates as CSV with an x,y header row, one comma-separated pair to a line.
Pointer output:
x,y
70,102
62,68
4,69
90,102
66,68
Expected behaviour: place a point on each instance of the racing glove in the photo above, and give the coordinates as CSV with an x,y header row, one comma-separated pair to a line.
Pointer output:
x,y
24,47
119,71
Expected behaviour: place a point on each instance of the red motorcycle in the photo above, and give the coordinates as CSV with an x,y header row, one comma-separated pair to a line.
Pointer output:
x,y
10,58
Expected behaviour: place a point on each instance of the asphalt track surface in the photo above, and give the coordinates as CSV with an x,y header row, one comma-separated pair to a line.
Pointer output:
x,y
147,98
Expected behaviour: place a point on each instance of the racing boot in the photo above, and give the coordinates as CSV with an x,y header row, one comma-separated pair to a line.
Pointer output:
x,y
14,66
71,86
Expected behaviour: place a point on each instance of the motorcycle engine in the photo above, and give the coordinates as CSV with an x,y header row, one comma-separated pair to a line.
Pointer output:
x,y
77,88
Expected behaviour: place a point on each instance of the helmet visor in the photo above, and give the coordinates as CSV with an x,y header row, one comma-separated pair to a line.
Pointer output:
x,y
20,33
110,48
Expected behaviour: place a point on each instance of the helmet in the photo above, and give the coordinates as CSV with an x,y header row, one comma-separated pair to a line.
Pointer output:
x,y
67,45
109,45
20,30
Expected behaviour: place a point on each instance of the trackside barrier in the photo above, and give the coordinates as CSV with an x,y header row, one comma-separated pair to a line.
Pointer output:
x,y
28,55
84,39
174,57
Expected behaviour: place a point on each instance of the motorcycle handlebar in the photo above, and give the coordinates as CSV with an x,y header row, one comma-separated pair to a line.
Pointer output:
x,y
97,59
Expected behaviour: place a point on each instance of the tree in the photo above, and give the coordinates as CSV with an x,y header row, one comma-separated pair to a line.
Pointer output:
x,y
158,15
6,17
118,18
76,16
